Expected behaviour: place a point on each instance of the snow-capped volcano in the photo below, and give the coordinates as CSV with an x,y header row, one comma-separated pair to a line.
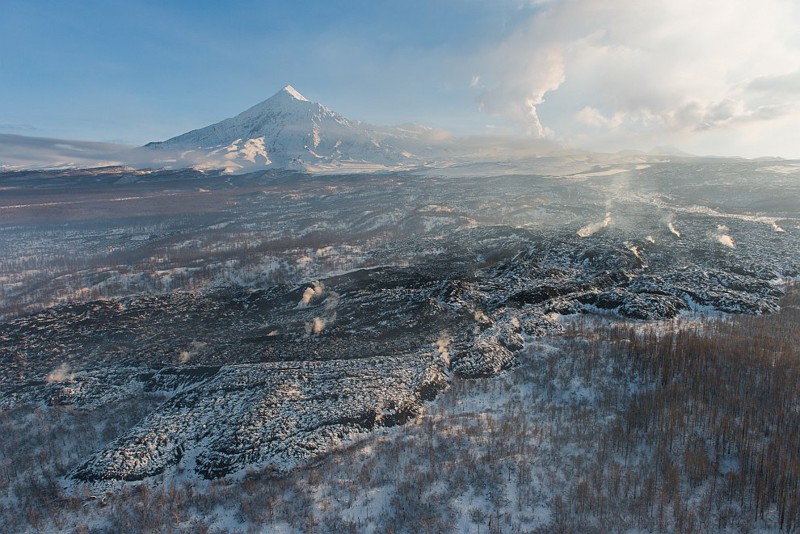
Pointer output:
x,y
289,131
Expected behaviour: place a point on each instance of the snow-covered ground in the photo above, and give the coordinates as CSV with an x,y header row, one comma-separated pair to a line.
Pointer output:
x,y
571,439
540,446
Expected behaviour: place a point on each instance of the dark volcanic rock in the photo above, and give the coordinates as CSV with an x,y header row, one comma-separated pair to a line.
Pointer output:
x,y
273,376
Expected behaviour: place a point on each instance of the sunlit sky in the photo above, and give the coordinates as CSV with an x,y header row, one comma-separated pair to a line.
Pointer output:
x,y
706,76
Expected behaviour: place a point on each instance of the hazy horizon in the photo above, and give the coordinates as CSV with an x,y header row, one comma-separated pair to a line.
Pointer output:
x,y
718,79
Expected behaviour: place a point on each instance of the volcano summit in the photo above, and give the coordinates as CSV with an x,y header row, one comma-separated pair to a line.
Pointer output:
x,y
289,131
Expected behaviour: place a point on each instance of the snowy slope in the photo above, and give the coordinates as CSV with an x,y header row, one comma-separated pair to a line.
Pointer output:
x,y
289,131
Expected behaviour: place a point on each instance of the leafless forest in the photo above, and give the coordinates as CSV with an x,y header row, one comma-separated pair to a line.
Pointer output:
x,y
689,425
614,348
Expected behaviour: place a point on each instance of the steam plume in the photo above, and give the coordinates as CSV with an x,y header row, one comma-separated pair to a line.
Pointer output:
x,y
593,228
312,292
316,326
723,236
442,347
61,374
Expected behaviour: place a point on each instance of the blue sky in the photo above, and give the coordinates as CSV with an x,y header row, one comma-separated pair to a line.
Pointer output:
x,y
139,71
720,77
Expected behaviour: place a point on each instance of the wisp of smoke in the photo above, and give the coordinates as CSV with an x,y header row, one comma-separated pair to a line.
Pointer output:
x,y
316,326
633,248
312,292
723,236
442,347
187,355
332,301
481,317
308,294
593,228
319,323
727,241
61,374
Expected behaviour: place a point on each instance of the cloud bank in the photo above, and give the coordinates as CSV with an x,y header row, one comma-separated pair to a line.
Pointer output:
x,y
617,73
23,152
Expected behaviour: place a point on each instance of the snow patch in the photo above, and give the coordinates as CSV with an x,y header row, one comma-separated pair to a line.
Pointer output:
x,y
294,93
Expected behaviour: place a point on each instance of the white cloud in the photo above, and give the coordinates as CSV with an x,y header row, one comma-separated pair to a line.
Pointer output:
x,y
649,71
19,151
593,117
787,84
521,91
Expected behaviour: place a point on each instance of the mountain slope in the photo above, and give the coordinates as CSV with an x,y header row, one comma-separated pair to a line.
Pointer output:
x,y
289,131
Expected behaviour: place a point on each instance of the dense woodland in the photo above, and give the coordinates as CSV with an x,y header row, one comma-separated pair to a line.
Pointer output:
x,y
691,425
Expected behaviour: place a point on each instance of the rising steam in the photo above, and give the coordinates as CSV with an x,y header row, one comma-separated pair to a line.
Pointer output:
x,y
61,374
481,317
635,250
194,348
312,292
593,228
724,237
443,346
316,326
